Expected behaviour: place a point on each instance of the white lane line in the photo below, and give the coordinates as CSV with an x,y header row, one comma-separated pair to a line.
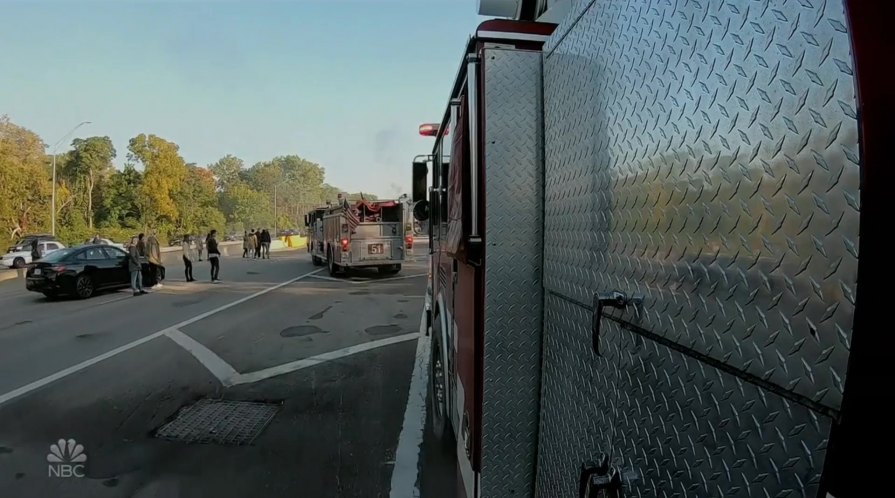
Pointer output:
x,y
292,366
410,441
367,280
15,393
331,279
214,363
398,278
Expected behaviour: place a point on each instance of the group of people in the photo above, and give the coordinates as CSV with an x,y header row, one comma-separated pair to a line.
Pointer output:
x,y
256,244
149,251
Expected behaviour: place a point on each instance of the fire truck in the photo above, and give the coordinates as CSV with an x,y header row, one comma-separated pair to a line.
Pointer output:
x,y
364,234
645,227
314,227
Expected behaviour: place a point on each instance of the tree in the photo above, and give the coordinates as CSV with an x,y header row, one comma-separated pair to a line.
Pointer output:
x,y
164,171
90,162
226,171
244,206
119,201
198,202
25,188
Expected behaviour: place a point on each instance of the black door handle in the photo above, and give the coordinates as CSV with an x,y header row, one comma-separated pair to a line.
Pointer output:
x,y
615,299
608,485
591,469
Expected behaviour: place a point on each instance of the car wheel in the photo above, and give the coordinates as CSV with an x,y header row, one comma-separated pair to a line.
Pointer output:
x,y
18,263
84,287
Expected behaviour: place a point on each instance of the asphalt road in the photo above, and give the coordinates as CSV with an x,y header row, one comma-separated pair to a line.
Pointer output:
x,y
319,371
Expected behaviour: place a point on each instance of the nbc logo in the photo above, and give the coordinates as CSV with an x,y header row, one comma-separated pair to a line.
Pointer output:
x,y
66,458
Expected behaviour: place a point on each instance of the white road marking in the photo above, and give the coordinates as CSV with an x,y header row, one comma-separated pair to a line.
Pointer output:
x,y
15,393
331,279
398,278
285,368
363,280
214,363
410,441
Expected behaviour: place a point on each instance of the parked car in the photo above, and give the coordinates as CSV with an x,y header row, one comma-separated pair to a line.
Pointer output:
x,y
20,256
79,271
107,242
25,242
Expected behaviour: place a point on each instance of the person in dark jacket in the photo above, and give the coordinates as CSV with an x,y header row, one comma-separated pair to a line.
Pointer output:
x,y
265,244
214,255
258,243
35,251
134,266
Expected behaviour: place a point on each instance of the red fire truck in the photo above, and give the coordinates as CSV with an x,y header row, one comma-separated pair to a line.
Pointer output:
x,y
645,227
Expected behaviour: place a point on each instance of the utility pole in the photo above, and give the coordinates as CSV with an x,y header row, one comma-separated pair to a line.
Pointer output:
x,y
53,202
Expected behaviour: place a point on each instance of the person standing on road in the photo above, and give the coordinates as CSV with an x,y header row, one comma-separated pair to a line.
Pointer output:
x,y
188,256
35,251
246,244
214,255
135,266
154,254
265,244
257,243
200,245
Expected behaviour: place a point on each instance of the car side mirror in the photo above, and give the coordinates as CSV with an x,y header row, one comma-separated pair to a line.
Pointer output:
x,y
421,210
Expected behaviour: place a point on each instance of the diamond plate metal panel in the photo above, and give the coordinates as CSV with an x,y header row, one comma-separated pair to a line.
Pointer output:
x,y
220,422
577,396
674,426
705,155
513,299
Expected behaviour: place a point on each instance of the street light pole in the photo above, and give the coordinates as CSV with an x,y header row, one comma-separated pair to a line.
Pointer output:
x,y
53,202
275,210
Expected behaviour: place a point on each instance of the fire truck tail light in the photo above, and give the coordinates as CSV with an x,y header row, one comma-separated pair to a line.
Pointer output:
x,y
345,245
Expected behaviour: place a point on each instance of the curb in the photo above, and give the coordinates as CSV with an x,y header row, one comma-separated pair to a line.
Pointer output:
x,y
11,274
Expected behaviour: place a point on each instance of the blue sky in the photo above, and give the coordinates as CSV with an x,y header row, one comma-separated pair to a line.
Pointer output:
x,y
344,83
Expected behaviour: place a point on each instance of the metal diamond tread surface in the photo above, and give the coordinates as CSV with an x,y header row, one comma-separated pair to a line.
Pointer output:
x,y
673,426
704,154
219,422
513,299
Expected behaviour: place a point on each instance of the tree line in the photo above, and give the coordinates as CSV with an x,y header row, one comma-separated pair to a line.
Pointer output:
x,y
156,188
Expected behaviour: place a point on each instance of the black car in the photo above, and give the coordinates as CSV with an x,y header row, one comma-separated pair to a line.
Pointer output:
x,y
79,271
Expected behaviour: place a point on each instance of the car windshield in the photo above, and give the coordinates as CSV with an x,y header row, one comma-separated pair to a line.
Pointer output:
x,y
58,255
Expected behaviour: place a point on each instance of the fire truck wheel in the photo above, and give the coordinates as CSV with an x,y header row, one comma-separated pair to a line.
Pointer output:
x,y
389,270
438,391
334,269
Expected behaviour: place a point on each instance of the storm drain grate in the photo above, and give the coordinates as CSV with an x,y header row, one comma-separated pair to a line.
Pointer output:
x,y
224,422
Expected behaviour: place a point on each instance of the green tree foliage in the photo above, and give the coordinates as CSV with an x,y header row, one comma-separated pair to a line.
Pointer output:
x,y
164,172
226,171
197,202
24,185
90,164
245,207
154,187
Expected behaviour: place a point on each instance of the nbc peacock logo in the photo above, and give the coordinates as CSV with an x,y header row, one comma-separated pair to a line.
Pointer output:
x,y
66,459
